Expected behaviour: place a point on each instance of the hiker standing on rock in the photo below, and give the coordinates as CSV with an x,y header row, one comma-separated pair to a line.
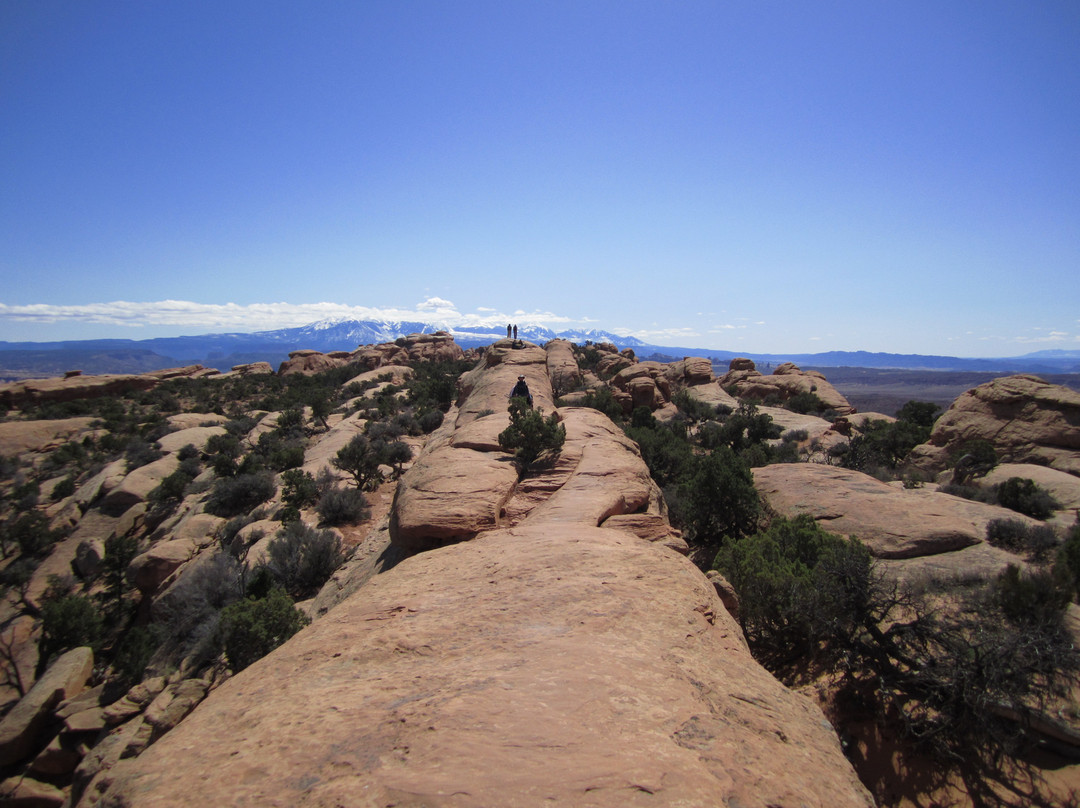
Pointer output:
x,y
515,332
521,390
508,330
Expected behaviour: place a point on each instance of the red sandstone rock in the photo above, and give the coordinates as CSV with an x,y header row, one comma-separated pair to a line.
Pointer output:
x,y
565,665
892,522
1026,419
20,729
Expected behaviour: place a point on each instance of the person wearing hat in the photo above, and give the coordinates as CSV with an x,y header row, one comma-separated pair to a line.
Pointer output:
x,y
521,390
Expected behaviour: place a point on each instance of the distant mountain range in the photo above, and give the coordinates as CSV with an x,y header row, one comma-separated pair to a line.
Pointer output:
x,y
20,360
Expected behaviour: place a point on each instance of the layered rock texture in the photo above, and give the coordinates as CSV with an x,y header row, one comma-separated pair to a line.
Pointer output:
x,y
544,644
1026,419
786,381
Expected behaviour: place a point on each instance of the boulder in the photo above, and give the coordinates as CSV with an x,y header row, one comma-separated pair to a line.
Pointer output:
x,y
60,757
20,729
1027,419
308,362
450,495
137,485
187,420
88,555
21,791
558,664
199,529
101,483
250,369
196,436
893,522
147,571
486,388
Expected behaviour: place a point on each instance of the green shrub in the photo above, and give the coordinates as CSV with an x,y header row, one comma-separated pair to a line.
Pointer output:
x,y
1024,496
68,622
302,558
141,452
694,410
298,489
343,507
1018,537
718,498
430,421
798,586
665,451
252,628
805,402
235,495
883,445
530,434
920,413
64,488
1031,596
31,533
603,399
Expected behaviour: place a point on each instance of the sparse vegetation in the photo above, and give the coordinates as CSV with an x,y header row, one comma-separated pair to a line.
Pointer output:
x,y
253,627
530,434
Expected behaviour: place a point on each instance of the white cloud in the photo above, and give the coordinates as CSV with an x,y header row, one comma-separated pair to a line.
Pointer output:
x,y
657,335
258,316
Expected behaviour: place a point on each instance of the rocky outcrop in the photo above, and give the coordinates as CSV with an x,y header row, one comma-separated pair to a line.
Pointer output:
x,y
642,385
307,362
893,522
562,366
250,369
20,437
21,729
437,347
36,391
1063,487
786,381
563,654
550,664
1026,419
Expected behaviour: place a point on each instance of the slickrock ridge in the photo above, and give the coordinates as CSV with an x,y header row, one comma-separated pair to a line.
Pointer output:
x,y
71,387
548,655
572,665
1027,420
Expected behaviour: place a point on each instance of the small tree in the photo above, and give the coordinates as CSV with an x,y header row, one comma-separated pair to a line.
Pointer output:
x,y
530,434
719,499
252,628
68,622
361,458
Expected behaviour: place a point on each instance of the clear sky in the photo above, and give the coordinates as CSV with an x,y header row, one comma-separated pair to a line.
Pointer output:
x,y
753,175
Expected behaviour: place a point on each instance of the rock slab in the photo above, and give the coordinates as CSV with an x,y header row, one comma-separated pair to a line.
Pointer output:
x,y
562,665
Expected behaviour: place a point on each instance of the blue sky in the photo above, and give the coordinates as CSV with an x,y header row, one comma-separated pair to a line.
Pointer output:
x,y
764,176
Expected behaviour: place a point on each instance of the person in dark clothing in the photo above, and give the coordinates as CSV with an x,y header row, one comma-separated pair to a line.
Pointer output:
x,y
508,330
521,390
515,332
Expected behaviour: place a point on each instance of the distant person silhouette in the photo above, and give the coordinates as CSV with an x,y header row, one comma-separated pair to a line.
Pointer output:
x,y
515,332
508,330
